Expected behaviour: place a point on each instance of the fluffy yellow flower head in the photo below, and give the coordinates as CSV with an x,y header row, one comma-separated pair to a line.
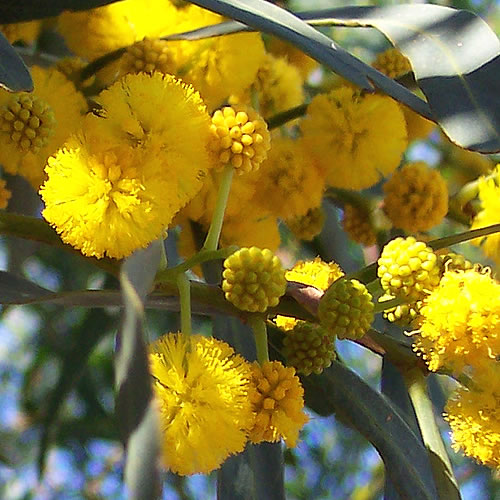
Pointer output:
x,y
278,402
218,66
357,224
290,184
203,390
416,197
309,272
279,86
489,194
307,227
95,32
474,418
293,55
239,137
34,125
460,321
356,138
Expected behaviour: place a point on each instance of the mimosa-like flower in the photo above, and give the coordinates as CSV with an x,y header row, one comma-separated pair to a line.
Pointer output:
x,y
34,125
202,387
356,138
278,402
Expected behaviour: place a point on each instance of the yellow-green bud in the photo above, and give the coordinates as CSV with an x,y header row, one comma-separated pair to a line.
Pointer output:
x,y
408,269
346,309
308,348
254,279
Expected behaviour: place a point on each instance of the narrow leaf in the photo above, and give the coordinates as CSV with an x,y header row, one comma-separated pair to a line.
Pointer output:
x,y
14,75
268,18
455,56
340,391
134,404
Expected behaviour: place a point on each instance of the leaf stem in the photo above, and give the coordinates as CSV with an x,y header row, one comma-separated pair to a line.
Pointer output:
x,y
212,241
442,471
258,325
184,286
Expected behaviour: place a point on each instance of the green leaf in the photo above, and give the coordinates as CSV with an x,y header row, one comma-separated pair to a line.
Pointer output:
x,y
14,75
456,60
135,409
268,18
12,11
339,390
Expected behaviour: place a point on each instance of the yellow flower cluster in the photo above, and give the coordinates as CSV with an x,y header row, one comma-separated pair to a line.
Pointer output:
x,y
356,223
212,401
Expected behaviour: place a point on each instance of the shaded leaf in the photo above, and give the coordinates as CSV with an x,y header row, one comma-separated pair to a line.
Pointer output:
x,y
14,75
15,289
268,18
455,56
135,410
339,390
12,11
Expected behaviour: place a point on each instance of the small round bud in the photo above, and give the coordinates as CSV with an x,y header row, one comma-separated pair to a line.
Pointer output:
x,y
146,56
408,268
240,138
308,348
254,279
28,121
358,227
346,309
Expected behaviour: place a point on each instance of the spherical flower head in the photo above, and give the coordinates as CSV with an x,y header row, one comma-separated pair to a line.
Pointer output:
x,y
239,138
346,309
408,269
474,418
307,227
5,194
293,55
489,195
253,279
96,32
355,138
278,86
356,223
309,348
146,56
106,199
290,184
392,63
34,125
460,321
26,32
202,388
416,197
219,66
259,231
278,402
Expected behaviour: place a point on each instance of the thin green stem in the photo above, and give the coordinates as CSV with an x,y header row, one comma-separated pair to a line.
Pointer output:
x,y
442,471
163,257
212,241
184,286
258,324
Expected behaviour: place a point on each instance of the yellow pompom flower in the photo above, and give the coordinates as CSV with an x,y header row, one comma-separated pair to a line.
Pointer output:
x,y
261,231
356,138
95,32
202,387
460,321
307,227
392,63
220,66
310,272
416,197
290,184
278,401
278,86
240,138
26,32
5,194
474,418
34,125
357,225
293,55
489,195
